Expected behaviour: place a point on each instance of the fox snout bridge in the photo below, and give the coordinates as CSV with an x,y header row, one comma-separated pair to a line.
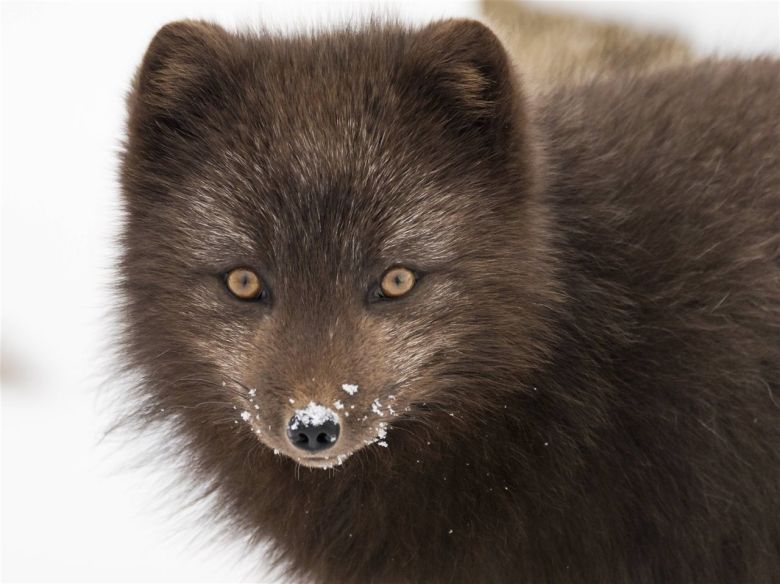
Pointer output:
x,y
312,437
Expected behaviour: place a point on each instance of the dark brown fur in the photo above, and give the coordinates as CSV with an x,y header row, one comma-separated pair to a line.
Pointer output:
x,y
586,376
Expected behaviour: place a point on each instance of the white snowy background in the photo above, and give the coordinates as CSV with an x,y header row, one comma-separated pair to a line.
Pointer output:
x,y
73,509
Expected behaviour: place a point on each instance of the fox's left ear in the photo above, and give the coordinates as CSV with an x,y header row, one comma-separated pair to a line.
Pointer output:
x,y
462,71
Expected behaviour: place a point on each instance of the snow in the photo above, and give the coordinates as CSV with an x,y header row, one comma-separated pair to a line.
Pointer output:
x,y
349,388
252,392
338,405
339,461
376,407
313,414
245,416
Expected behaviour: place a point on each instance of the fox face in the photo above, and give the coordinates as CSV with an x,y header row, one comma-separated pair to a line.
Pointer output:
x,y
318,234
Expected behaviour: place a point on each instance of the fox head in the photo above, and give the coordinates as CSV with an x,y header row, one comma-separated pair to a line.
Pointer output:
x,y
332,243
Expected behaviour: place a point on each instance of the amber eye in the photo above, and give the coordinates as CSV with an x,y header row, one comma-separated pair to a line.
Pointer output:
x,y
397,282
244,284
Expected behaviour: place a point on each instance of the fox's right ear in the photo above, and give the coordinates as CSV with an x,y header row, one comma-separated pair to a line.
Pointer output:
x,y
461,69
181,82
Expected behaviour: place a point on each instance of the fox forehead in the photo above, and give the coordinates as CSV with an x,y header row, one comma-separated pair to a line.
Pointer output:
x,y
231,211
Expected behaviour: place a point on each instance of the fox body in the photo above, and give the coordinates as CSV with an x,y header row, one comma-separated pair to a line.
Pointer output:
x,y
554,48
581,383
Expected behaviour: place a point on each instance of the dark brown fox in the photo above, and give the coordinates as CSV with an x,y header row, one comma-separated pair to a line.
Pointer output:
x,y
530,342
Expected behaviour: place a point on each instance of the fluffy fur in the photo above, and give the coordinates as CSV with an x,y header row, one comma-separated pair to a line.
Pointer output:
x,y
584,380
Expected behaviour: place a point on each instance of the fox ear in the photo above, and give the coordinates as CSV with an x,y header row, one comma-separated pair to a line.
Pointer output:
x,y
181,81
462,70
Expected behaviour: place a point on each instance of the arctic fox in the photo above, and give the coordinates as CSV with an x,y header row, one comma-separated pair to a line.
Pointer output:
x,y
411,327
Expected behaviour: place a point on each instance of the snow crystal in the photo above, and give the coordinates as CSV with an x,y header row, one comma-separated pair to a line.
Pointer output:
x,y
338,462
349,388
252,392
245,416
338,405
313,415
376,407
382,443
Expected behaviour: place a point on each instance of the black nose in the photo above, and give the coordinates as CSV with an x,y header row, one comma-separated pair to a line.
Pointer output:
x,y
312,437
